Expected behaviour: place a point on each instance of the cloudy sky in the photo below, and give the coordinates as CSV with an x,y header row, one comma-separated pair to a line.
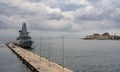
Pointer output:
x,y
72,18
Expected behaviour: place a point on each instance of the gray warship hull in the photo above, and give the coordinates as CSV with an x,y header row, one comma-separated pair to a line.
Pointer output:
x,y
25,44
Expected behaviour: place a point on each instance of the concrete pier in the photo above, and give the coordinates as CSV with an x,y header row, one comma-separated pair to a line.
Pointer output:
x,y
35,62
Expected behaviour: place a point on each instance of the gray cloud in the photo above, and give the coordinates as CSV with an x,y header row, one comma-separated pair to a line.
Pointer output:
x,y
54,16
61,15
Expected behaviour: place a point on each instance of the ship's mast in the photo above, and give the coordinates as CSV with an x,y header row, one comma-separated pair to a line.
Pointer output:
x,y
24,28
23,33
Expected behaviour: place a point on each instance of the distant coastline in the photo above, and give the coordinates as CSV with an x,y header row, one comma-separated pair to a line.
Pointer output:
x,y
104,36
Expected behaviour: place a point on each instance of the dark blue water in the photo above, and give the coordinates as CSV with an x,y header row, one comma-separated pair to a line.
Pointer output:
x,y
79,55
9,61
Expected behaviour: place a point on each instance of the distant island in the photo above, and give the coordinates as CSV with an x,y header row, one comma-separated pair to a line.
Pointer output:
x,y
104,36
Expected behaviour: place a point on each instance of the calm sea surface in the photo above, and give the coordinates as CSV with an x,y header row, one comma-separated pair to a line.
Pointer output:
x,y
79,55
9,61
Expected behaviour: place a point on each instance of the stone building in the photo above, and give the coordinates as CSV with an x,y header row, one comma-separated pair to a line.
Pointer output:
x,y
104,36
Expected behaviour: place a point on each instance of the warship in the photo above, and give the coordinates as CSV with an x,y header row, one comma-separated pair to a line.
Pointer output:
x,y
24,40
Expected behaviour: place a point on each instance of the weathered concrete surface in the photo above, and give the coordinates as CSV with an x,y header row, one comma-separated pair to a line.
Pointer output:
x,y
35,62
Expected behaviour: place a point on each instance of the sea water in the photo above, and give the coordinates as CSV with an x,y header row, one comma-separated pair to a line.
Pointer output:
x,y
79,55
8,60
82,55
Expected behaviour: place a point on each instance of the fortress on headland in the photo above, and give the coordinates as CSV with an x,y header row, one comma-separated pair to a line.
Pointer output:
x,y
104,36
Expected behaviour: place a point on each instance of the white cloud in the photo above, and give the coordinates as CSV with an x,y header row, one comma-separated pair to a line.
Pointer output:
x,y
62,15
